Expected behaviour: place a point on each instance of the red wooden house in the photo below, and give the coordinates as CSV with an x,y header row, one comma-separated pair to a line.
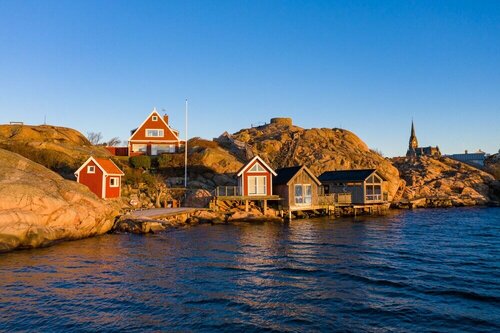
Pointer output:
x,y
154,137
256,178
101,176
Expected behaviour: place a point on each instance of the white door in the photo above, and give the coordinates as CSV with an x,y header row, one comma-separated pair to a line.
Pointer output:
x,y
257,185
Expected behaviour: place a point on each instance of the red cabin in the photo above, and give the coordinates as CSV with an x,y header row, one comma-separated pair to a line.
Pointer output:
x,y
255,178
154,137
101,176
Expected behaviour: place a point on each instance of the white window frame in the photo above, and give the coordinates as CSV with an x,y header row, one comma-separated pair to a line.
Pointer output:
x,y
154,118
91,169
116,182
257,168
253,185
304,198
160,133
298,199
307,196
139,147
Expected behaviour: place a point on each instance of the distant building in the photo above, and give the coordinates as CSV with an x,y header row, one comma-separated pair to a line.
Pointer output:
x,y
101,176
474,159
415,151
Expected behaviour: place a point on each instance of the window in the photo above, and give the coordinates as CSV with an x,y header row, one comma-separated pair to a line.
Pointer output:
x,y
114,182
299,199
143,148
308,194
257,168
303,194
257,185
152,133
155,118
373,188
161,149
91,169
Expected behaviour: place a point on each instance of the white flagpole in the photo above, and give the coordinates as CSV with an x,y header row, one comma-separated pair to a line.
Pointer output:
x,y
186,149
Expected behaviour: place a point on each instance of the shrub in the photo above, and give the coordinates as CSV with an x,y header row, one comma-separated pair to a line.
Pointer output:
x,y
142,161
165,161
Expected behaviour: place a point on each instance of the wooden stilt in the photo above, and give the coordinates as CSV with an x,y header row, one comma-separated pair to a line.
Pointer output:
x,y
246,206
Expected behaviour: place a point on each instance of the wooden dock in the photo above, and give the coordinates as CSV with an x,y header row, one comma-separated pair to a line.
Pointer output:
x,y
156,213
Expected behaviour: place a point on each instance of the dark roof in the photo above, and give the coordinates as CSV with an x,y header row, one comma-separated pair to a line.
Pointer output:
x,y
346,175
285,174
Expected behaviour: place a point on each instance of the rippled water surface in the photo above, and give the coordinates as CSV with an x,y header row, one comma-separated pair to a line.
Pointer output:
x,y
424,270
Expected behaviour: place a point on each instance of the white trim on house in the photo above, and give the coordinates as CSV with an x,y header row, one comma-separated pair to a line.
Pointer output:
x,y
161,132
115,180
104,186
160,118
91,158
251,162
152,140
91,169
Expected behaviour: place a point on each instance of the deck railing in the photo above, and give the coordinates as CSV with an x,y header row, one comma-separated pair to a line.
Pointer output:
x,y
228,191
335,198
377,197
374,197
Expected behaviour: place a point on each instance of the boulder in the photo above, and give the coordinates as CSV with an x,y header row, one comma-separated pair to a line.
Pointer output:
x,y
38,207
444,182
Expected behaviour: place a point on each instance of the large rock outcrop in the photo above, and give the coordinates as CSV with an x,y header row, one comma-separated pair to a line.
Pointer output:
x,y
443,182
59,148
38,207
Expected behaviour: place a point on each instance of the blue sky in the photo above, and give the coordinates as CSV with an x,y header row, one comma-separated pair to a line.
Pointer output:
x,y
367,66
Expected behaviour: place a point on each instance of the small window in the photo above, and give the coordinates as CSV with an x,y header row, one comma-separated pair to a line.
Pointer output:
x,y
152,133
257,168
91,169
114,182
155,118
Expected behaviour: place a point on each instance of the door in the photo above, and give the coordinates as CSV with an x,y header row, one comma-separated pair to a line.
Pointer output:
x,y
257,185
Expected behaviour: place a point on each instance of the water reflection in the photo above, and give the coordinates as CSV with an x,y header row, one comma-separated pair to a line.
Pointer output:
x,y
413,271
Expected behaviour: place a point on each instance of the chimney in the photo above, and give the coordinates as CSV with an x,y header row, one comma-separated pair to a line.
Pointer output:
x,y
165,117
466,151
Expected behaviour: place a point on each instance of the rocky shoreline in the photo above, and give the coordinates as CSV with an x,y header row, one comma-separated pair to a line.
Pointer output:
x,y
38,207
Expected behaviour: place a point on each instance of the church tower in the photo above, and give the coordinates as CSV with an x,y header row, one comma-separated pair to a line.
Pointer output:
x,y
413,144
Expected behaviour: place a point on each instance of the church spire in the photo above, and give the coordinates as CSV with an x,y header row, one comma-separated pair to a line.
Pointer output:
x,y
413,142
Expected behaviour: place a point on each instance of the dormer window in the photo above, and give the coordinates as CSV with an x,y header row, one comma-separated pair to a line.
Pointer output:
x,y
155,118
91,169
257,168
154,133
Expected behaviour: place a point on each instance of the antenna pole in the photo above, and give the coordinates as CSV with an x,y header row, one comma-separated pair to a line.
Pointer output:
x,y
186,147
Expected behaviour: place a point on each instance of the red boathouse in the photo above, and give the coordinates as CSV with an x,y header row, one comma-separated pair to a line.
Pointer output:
x,y
255,178
101,176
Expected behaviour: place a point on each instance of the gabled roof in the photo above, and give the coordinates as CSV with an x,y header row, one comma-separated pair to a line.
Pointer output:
x,y
256,158
107,166
154,112
358,175
286,175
